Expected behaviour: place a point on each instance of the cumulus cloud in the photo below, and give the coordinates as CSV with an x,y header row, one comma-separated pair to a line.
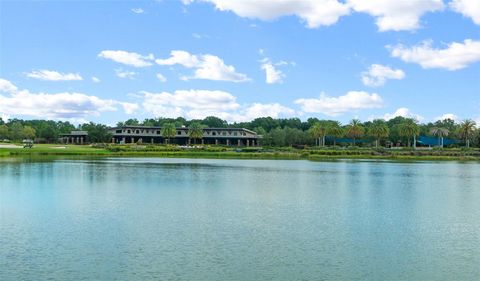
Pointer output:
x,y
272,75
377,75
161,78
95,79
50,75
74,106
455,56
198,104
403,112
397,15
314,13
468,8
125,74
127,58
450,116
207,67
333,106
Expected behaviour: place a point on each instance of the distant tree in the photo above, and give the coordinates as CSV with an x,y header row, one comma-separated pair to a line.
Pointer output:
x,y
1,121
169,131
214,122
132,122
378,129
467,130
440,133
28,132
97,132
195,131
335,130
15,131
355,130
409,129
277,137
3,132
317,131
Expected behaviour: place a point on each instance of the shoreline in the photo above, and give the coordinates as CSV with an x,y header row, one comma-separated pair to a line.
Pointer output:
x,y
224,153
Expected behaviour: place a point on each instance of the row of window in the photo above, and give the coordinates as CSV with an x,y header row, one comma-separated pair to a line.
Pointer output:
x,y
214,133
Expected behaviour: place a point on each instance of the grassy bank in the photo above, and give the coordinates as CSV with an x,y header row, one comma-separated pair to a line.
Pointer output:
x,y
242,153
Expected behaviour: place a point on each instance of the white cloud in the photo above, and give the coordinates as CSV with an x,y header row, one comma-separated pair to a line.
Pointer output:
x,y
455,56
315,13
128,58
95,79
125,74
138,10
397,15
448,116
208,67
161,77
198,104
468,8
50,75
333,106
378,74
272,75
72,106
403,112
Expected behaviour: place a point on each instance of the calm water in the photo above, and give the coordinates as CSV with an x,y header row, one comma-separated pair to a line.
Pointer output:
x,y
184,219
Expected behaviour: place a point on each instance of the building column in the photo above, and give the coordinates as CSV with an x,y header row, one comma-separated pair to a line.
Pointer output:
x,y
77,141
216,141
124,140
113,140
151,140
132,140
67,140
228,142
81,140
238,142
248,142
203,142
189,141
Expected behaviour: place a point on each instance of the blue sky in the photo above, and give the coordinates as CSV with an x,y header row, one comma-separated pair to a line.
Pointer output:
x,y
107,61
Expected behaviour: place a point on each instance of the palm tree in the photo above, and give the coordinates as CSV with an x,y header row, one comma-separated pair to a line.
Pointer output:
x,y
379,129
195,131
319,130
409,129
440,133
335,130
355,130
467,129
169,131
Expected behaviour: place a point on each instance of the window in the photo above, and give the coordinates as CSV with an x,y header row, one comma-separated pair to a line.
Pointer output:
x,y
179,132
224,133
128,131
158,132
137,131
214,133
234,133
118,131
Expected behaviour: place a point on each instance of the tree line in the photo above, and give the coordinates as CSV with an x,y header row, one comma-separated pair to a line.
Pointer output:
x,y
398,131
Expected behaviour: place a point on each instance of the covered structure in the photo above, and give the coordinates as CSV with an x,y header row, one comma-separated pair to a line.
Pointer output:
x,y
216,136
74,137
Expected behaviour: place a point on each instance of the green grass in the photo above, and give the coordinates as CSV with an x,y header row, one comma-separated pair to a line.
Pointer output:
x,y
315,154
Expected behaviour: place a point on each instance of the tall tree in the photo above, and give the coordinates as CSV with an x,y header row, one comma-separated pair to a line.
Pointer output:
x,y
335,130
378,129
169,131
409,129
440,133
355,130
28,132
467,130
195,131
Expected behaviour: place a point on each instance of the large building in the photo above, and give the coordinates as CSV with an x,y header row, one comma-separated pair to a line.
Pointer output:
x,y
217,136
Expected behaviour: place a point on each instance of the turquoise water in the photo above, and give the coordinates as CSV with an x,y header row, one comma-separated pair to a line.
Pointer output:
x,y
194,219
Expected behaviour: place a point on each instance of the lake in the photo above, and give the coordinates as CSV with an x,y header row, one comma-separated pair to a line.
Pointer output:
x,y
199,219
